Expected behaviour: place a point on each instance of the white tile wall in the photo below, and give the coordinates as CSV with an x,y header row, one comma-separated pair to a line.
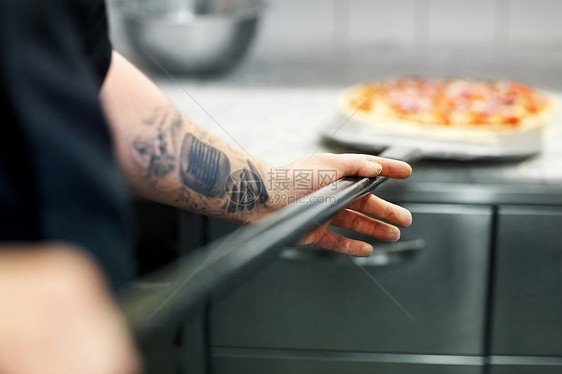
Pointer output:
x,y
457,22
305,29
297,26
382,21
307,25
535,21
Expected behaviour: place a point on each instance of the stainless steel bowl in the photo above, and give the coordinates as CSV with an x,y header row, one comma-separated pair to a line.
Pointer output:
x,y
204,36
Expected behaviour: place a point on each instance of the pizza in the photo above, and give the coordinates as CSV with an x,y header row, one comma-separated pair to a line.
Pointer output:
x,y
456,109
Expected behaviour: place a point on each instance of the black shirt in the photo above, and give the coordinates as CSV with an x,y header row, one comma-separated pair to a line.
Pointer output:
x,y
58,176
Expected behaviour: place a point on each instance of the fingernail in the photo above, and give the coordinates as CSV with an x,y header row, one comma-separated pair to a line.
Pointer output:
x,y
396,234
368,249
377,167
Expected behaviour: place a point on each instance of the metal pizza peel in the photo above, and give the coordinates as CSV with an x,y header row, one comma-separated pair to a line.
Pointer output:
x,y
362,137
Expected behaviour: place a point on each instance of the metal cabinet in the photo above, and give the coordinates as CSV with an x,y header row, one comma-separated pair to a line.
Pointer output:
x,y
163,234
525,365
527,294
527,307
230,361
428,301
521,368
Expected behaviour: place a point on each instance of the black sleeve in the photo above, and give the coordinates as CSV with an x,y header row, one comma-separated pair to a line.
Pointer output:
x,y
90,21
61,179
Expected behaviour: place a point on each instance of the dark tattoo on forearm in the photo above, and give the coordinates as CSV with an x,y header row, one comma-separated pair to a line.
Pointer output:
x,y
159,154
245,188
191,198
160,161
206,170
203,168
208,183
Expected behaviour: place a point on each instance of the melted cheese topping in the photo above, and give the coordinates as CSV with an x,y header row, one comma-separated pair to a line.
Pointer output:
x,y
447,103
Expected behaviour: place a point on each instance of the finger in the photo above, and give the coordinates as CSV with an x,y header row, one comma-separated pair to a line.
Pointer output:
x,y
392,168
378,208
355,221
349,164
354,164
338,243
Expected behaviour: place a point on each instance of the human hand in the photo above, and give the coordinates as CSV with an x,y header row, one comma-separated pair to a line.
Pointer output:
x,y
368,215
56,316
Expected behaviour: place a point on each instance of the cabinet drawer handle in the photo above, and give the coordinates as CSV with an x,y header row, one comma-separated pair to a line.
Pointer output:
x,y
383,255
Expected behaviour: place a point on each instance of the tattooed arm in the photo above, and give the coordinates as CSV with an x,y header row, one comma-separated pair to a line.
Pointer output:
x,y
167,158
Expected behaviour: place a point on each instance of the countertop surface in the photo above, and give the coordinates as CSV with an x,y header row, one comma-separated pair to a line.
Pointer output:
x,y
275,106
